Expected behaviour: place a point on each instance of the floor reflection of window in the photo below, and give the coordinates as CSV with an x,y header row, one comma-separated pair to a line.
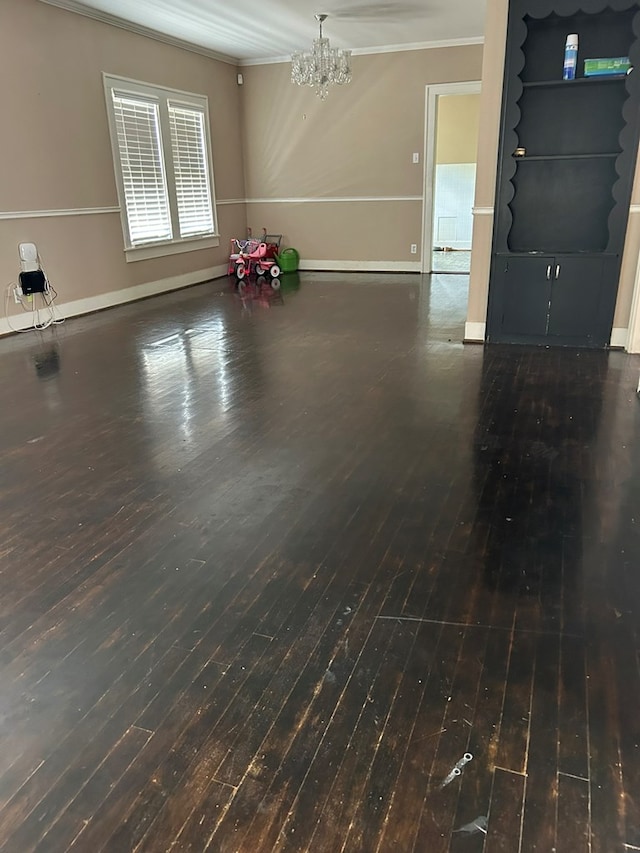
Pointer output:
x,y
182,369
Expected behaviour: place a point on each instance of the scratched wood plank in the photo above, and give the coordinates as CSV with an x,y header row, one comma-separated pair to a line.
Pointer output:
x,y
484,735
624,662
504,830
390,752
262,803
195,833
353,785
58,778
162,756
573,830
573,722
73,820
513,746
607,784
417,782
539,827
436,823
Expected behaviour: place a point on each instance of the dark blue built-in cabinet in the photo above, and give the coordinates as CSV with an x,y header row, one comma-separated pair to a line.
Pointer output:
x,y
562,205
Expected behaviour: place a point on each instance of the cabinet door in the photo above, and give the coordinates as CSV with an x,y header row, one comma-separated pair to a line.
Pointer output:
x,y
575,298
526,295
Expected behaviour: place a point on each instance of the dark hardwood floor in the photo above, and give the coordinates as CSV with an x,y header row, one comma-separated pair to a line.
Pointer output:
x,y
271,567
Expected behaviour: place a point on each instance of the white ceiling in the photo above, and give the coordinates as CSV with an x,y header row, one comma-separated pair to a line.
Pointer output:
x,y
251,30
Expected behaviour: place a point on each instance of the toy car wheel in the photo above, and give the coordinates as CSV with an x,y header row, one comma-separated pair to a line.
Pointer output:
x,y
274,270
259,270
241,271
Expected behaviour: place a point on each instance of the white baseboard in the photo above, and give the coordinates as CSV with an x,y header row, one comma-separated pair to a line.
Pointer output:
x,y
361,266
118,297
619,338
475,332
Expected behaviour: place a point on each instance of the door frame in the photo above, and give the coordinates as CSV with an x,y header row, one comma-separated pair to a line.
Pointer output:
x,y
432,93
633,335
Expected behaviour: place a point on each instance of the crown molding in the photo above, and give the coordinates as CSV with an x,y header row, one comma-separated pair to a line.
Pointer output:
x,y
138,29
115,21
370,51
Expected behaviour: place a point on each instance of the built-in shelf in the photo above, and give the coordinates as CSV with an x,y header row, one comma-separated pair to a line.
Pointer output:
x,y
561,210
580,81
606,156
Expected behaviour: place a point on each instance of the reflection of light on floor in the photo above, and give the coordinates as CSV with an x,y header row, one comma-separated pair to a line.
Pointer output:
x,y
181,363
165,340
458,261
167,373
214,346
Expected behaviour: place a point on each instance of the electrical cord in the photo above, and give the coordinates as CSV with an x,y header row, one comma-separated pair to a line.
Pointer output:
x,y
38,323
49,295
11,288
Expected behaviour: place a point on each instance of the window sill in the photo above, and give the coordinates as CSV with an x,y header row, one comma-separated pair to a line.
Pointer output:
x,y
176,247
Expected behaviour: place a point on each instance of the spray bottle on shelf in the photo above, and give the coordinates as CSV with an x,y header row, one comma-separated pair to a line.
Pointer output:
x,y
570,57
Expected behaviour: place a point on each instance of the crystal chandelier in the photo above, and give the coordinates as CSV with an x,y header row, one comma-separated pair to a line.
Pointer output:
x,y
322,66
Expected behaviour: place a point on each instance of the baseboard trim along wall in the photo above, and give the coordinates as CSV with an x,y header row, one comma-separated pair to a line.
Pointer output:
x,y
360,266
619,338
118,297
475,332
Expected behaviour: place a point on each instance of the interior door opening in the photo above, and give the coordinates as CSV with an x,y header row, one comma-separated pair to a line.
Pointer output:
x,y
453,112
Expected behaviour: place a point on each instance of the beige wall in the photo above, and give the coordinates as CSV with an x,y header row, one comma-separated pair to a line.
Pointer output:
x,y
490,105
457,128
56,154
358,143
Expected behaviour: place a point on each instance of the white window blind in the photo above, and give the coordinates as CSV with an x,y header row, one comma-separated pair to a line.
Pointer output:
x,y
143,175
162,160
191,173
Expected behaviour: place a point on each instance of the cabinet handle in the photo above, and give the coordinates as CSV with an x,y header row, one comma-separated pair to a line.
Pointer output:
x,y
549,273
558,271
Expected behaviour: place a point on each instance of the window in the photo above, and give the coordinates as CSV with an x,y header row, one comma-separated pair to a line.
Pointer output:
x,y
162,159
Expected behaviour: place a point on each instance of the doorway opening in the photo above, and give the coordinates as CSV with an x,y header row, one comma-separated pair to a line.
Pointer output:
x,y
452,117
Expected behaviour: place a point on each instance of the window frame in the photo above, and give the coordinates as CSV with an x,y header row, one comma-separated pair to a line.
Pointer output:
x,y
162,95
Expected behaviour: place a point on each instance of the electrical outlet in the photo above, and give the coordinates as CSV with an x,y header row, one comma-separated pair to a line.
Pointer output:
x,y
414,248
416,157
17,293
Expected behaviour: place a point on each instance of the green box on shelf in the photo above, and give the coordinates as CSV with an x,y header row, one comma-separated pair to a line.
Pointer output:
x,y
603,67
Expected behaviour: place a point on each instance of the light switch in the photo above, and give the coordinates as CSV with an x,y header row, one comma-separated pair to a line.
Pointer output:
x,y
416,157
